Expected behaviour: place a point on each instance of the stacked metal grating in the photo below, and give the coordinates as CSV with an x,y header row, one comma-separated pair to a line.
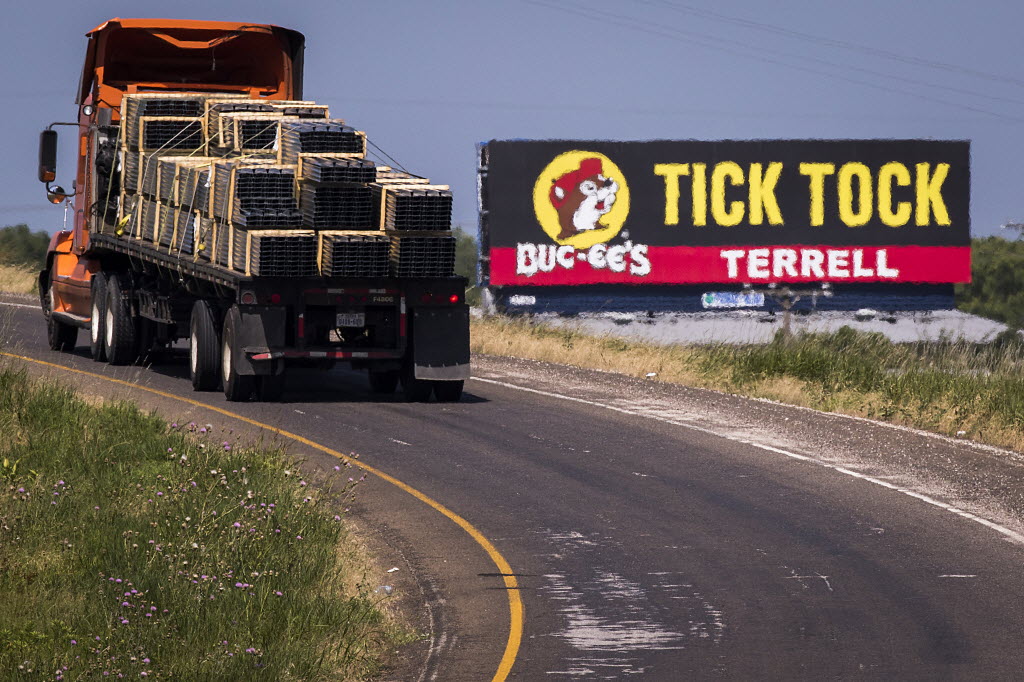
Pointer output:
x,y
214,177
131,171
302,109
319,137
149,183
333,169
275,253
184,232
160,134
422,255
222,244
148,220
386,175
157,104
354,254
256,195
194,184
168,218
246,132
216,108
412,207
204,238
336,207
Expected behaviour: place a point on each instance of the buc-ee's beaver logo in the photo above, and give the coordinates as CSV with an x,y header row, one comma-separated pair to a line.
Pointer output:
x,y
581,200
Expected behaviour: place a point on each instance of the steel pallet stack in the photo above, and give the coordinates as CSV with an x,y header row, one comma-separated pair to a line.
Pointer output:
x,y
273,188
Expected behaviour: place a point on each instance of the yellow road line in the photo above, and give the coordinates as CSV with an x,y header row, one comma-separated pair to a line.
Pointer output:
x,y
515,602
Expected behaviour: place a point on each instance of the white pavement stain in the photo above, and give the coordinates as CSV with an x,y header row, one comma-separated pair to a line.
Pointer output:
x,y
612,621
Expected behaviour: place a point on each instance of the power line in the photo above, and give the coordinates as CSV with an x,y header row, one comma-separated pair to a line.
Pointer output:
x,y
709,41
832,42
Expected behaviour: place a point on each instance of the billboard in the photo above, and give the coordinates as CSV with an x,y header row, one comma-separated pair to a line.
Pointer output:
x,y
567,213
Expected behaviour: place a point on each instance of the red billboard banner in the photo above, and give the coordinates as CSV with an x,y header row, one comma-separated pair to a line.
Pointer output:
x,y
734,212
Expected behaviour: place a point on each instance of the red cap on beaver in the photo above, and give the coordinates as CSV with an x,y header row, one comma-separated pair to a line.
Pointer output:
x,y
568,182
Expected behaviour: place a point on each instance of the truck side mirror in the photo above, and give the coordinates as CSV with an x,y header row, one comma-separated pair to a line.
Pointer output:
x,y
56,194
48,156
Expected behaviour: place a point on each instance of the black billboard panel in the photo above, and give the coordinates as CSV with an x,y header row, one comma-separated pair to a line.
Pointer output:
x,y
688,212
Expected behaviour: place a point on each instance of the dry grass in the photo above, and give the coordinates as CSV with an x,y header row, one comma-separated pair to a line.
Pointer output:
x,y
520,339
957,389
17,279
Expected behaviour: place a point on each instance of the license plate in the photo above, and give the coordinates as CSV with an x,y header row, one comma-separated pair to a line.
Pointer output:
x,y
351,320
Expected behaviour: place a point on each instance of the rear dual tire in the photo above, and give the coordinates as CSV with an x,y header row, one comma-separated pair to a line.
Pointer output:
x,y
119,338
237,387
204,347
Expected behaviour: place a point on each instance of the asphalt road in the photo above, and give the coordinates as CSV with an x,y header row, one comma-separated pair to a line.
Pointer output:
x,y
657,533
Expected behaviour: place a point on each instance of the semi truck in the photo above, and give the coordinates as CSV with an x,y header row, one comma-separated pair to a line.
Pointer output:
x,y
213,204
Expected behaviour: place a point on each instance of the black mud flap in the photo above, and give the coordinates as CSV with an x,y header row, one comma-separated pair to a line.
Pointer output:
x,y
440,343
261,328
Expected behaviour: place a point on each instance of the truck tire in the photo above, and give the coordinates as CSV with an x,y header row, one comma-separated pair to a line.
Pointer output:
x,y
237,387
98,311
415,390
383,381
60,335
448,391
204,348
119,338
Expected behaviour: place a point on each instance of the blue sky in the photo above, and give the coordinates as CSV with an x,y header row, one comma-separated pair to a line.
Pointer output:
x,y
428,80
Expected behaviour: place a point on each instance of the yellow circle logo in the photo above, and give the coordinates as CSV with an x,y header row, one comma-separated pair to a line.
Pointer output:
x,y
581,199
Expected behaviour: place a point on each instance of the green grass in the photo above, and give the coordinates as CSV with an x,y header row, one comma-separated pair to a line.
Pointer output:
x,y
133,547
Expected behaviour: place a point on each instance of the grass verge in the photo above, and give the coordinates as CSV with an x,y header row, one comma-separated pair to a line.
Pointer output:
x,y
134,548
18,279
955,388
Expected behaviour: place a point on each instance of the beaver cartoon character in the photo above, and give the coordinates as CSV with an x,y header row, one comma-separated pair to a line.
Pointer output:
x,y
581,197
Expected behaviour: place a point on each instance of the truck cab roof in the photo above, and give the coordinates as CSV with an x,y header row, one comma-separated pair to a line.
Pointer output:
x,y
138,55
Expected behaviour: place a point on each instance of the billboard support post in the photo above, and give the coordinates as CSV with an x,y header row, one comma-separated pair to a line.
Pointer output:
x,y
787,298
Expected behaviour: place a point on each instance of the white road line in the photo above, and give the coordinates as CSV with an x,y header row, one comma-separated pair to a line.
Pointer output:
x,y
21,305
1012,535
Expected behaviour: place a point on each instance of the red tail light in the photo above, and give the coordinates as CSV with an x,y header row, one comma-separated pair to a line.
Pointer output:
x,y
454,298
275,298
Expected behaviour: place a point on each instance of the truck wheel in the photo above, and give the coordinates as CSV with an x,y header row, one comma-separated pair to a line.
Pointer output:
x,y
237,386
271,387
203,348
119,336
61,336
415,390
385,381
98,312
448,391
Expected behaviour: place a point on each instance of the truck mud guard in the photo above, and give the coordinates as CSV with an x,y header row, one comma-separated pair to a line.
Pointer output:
x,y
441,343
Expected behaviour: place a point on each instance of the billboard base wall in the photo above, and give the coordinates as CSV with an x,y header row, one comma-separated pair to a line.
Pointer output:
x,y
660,299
